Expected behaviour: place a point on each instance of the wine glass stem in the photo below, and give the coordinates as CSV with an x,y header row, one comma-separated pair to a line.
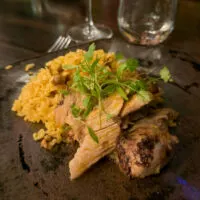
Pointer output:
x,y
90,19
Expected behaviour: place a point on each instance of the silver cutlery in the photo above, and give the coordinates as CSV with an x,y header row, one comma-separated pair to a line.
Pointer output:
x,y
62,42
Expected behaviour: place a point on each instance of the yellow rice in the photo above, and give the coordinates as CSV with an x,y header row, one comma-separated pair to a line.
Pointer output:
x,y
36,102
8,67
29,66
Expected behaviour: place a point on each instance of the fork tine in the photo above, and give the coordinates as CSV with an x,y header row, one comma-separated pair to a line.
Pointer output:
x,y
59,44
54,44
63,44
66,43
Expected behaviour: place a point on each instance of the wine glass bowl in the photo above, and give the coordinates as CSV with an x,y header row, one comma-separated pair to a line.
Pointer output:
x,y
89,31
83,32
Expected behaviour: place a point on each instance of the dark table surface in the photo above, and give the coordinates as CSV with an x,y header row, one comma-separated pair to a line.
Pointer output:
x,y
26,31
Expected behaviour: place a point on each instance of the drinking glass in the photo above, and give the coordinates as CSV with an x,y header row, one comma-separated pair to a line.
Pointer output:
x,y
89,31
146,22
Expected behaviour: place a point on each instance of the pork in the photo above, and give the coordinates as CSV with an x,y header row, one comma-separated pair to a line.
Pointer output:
x,y
63,115
90,152
106,129
111,106
134,103
96,120
148,146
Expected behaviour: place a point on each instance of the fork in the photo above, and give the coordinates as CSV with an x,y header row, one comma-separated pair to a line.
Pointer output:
x,y
61,43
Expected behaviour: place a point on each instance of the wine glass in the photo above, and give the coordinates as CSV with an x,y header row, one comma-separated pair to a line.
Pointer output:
x,y
89,31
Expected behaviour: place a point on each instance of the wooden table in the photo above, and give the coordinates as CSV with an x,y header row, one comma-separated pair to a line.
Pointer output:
x,y
27,31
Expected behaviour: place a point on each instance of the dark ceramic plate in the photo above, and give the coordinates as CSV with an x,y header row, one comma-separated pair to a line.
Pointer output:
x,y
28,172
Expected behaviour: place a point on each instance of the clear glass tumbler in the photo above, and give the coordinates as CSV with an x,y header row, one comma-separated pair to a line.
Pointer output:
x,y
146,22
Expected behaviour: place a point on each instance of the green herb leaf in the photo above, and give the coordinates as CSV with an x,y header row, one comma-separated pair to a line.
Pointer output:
x,y
122,93
87,111
76,111
99,82
165,74
69,67
86,101
64,92
65,128
153,80
78,82
94,64
137,85
77,76
89,54
145,95
121,69
106,91
119,56
93,135
132,64
88,83
109,116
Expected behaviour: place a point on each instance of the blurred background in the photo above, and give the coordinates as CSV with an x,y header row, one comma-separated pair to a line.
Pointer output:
x,y
29,27
35,24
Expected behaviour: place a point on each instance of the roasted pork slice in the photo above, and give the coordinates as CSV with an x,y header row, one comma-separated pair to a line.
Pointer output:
x,y
162,118
134,103
90,152
148,146
63,110
108,114
96,120
63,115
132,118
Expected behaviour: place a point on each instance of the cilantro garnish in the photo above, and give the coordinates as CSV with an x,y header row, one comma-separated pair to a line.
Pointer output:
x,y
109,116
130,64
119,56
76,111
96,82
64,92
122,93
145,95
65,128
89,54
165,74
99,82
93,135
88,103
